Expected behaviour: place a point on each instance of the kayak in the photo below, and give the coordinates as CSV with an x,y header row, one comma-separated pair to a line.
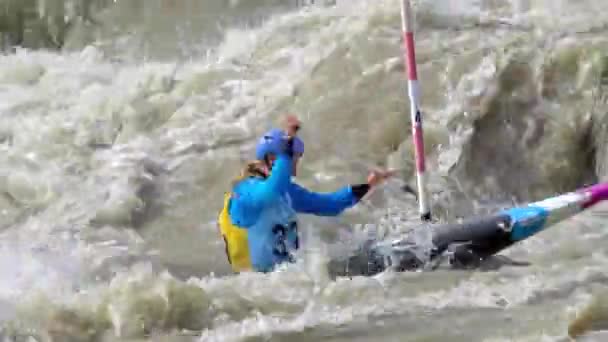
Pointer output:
x,y
468,244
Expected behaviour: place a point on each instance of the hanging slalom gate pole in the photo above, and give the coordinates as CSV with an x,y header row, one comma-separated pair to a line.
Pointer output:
x,y
416,116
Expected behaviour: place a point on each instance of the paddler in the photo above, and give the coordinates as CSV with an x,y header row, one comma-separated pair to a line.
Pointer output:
x,y
259,219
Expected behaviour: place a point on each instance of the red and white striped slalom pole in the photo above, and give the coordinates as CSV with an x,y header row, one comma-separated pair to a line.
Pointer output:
x,y
416,116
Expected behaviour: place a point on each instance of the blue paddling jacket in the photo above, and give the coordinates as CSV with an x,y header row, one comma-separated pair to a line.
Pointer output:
x,y
258,221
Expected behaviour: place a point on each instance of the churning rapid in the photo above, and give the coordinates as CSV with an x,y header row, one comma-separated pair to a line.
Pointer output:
x,y
123,123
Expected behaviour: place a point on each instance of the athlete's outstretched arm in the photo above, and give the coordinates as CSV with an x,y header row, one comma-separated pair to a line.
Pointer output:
x,y
326,204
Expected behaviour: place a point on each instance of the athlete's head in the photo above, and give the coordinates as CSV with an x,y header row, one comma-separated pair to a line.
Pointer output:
x,y
272,143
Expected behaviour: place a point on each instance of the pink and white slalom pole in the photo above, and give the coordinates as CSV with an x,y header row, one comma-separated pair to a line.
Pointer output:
x,y
416,116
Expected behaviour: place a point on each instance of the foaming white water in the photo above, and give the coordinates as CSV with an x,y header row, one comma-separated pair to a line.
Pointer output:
x,y
77,153
110,165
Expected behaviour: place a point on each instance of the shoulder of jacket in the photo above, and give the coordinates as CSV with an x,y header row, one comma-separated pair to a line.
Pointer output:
x,y
239,183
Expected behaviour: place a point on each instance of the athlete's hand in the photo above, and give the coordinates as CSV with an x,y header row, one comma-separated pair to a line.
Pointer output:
x,y
292,125
376,177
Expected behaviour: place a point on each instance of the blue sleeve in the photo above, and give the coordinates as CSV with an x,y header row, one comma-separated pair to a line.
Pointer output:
x,y
277,184
322,204
250,196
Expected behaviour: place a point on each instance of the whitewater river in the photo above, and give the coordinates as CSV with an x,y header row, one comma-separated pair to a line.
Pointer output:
x,y
123,122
